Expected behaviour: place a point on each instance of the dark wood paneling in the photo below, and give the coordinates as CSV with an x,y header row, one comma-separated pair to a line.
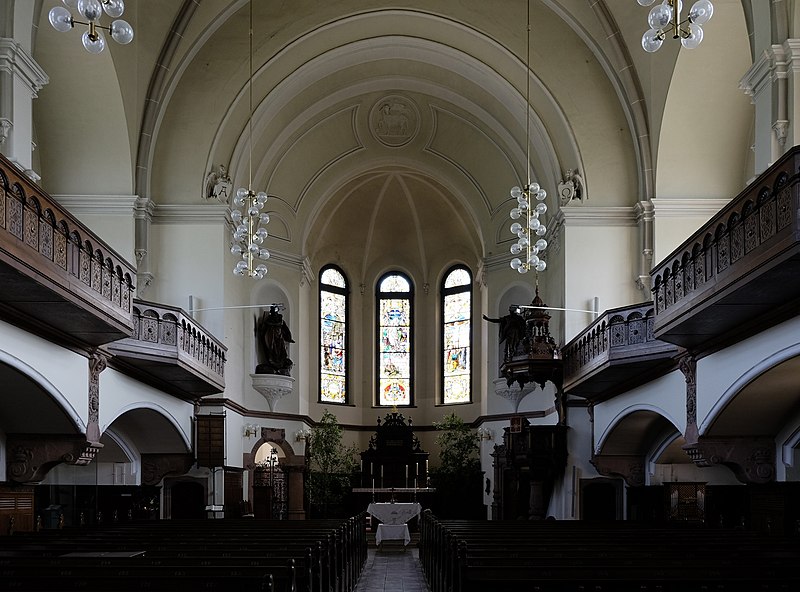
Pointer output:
x,y
210,440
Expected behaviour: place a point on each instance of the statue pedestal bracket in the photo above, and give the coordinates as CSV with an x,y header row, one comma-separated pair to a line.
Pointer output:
x,y
273,387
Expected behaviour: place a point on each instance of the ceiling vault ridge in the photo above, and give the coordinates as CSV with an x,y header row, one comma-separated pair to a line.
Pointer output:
x,y
417,226
159,88
371,226
624,79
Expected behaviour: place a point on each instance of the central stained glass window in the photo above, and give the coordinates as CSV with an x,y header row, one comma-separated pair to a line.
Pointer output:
x,y
395,347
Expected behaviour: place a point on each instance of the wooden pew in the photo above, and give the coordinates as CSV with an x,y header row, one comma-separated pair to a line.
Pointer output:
x,y
463,556
307,556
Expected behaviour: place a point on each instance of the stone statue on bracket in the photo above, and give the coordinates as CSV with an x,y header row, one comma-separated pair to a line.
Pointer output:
x,y
272,339
218,185
571,187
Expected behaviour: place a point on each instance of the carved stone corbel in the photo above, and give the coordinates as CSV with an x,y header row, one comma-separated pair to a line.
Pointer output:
x,y
30,457
752,460
156,466
629,466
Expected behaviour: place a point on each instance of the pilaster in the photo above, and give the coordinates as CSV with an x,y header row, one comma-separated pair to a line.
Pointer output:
x,y
21,78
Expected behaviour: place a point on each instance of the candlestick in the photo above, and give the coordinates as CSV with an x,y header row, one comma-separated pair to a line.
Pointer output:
x,y
406,475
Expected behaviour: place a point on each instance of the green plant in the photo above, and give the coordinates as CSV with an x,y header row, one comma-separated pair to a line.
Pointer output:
x,y
459,446
331,463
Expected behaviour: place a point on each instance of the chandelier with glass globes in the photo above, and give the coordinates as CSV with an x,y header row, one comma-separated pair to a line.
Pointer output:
x,y
665,19
92,39
527,226
246,213
249,232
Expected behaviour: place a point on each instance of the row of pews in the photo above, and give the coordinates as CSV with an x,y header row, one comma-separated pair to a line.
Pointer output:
x,y
191,555
572,556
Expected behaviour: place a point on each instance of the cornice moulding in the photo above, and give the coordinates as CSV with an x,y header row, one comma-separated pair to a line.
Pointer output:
x,y
108,205
596,216
189,214
757,78
681,207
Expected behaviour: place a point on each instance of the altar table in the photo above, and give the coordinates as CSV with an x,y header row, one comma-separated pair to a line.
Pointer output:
x,y
394,517
394,513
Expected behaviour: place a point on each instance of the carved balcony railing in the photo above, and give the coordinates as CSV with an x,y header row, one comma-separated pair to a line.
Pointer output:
x,y
57,278
171,351
740,272
617,352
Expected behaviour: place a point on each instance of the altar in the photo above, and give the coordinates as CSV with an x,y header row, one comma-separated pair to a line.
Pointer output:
x,y
394,517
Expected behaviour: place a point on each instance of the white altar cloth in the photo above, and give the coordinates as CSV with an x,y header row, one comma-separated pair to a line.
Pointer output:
x,y
392,532
394,513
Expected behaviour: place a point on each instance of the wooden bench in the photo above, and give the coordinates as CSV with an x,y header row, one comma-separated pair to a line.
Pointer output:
x,y
464,556
307,556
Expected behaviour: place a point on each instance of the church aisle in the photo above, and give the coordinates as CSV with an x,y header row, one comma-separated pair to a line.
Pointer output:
x,y
392,571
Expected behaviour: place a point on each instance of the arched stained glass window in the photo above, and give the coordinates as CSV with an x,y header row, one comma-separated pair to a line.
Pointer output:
x,y
457,336
395,349
332,335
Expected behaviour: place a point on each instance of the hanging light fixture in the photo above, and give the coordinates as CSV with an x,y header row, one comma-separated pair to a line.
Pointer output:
x,y
665,19
526,214
249,232
92,10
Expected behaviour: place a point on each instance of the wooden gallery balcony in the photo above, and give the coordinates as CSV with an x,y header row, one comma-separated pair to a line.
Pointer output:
x,y
738,274
617,352
57,278
171,351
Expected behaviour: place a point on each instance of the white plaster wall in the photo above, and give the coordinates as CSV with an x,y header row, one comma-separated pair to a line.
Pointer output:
x,y
677,219
235,440
703,143
81,125
66,372
120,393
666,396
95,473
115,228
565,502
601,262
721,375
188,258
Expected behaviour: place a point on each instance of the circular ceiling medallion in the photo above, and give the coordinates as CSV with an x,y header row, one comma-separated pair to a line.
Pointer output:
x,y
394,120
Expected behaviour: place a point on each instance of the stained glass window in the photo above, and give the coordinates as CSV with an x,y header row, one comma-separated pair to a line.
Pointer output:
x,y
457,336
332,336
395,350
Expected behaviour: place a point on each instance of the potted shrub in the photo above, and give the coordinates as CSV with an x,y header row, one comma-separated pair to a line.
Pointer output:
x,y
330,466
458,479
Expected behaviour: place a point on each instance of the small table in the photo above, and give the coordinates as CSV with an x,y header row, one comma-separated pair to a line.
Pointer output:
x,y
392,532
394,517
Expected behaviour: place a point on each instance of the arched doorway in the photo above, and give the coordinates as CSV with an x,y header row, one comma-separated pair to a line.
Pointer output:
x,y
188,500
601,500
269,483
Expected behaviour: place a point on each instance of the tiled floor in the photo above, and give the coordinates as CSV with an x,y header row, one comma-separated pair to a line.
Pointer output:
x,y
393,570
